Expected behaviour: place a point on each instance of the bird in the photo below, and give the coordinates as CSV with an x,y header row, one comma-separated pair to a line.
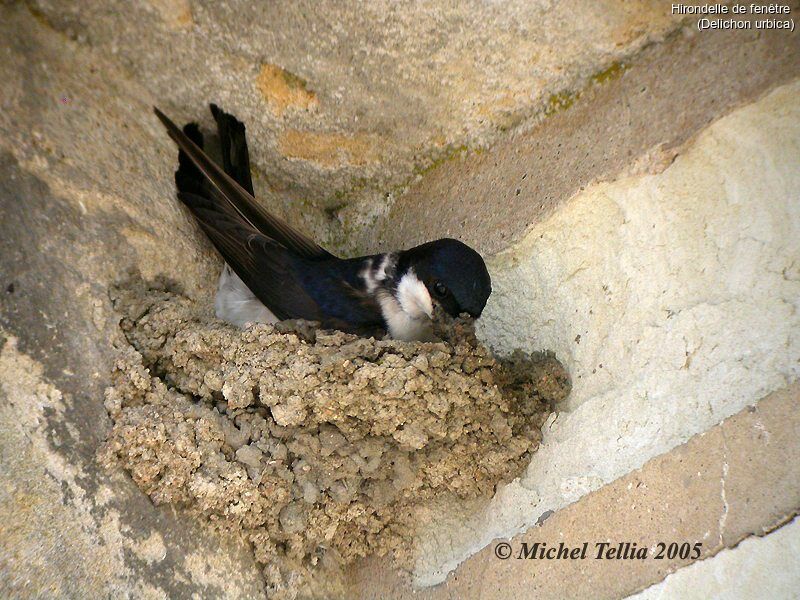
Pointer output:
x,y
275,272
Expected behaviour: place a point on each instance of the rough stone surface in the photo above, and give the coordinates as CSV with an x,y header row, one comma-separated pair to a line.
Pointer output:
x,y
408,82
673,300
645,507
634,115
84,196
66,532
86,192
319,445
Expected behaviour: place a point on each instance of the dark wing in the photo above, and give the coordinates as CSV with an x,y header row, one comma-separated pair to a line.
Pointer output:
x,y
224,190
287,271
339,291
264,266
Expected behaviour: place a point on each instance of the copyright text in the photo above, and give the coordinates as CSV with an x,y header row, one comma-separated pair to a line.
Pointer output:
x,y
599,551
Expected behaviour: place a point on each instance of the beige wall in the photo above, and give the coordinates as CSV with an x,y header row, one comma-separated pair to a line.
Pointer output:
x,y
672,296
633,183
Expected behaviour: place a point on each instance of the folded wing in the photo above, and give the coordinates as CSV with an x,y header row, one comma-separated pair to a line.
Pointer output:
x,y
228,190
263,250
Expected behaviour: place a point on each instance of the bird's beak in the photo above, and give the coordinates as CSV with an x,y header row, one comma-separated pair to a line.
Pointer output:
x,y
438,312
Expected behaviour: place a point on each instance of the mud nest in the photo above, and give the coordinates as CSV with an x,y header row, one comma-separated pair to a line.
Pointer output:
x,y
318,445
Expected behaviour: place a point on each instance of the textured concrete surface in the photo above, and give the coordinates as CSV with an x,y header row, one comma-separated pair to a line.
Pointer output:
x,y
757,567
736,480
671,298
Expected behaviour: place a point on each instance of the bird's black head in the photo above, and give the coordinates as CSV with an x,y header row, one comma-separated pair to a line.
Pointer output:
x,y
454,274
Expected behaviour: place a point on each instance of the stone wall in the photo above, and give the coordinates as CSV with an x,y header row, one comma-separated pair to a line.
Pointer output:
x,y
633,183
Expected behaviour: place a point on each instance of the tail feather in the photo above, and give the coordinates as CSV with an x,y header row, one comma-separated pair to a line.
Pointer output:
x,y
235,156
203,177
188,178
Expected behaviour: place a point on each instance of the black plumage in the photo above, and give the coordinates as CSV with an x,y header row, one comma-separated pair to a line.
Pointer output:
x,y
291,274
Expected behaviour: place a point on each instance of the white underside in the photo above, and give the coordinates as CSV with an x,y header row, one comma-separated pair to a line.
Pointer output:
x,y
236,304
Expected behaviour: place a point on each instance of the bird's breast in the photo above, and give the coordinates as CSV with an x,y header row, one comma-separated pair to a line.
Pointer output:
x,y
236,304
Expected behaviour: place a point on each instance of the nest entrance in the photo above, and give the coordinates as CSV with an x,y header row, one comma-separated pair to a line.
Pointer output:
x,y
318,445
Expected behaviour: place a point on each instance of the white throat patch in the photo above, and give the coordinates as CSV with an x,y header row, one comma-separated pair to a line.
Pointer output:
x,y
408,315
414,297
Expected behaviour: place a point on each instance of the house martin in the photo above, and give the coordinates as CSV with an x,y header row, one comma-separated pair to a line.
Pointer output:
x,y
274,272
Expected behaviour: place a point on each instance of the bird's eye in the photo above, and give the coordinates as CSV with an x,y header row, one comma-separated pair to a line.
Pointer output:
x,y
440,289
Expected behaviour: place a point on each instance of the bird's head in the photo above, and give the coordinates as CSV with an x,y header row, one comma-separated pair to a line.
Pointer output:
x,y
454,275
